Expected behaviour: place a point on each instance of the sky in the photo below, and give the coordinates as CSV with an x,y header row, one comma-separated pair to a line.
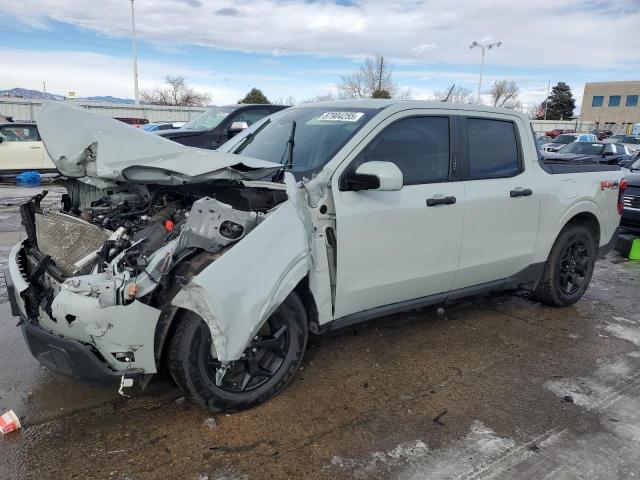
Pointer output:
x,y
300,48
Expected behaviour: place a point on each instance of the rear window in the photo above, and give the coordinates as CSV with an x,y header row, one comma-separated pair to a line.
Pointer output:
x,y
493,148
565,139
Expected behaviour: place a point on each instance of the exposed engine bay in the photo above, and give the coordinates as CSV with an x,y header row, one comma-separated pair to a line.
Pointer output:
x,y
119,244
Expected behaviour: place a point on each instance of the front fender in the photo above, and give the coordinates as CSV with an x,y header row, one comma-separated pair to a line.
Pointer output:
x,y
238,291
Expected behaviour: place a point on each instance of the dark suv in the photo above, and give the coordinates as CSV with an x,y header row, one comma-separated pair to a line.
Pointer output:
x,y
216,125
630,220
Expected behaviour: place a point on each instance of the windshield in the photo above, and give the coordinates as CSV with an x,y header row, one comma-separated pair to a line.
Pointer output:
x,y
583,147
319,133
630,140
210,118
565,139
635,165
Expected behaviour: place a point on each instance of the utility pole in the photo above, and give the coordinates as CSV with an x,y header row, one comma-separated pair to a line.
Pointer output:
x,y
484,48
380,74
134,50
546,102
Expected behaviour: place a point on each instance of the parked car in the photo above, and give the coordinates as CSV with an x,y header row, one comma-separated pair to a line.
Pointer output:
x,y
157,126
21,149
590,152
216,125
630,220
613,138
557,131
543,139
219,263
632,143
561,140
136,122
602,134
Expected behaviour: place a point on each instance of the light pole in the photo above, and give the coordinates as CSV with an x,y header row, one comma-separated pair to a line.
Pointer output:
x,y
484,49
134,51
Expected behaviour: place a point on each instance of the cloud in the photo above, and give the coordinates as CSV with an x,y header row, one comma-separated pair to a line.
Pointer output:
x,y
544,33
423,48
227,12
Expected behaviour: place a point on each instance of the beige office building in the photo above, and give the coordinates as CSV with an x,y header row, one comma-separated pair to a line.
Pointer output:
x,y
611,103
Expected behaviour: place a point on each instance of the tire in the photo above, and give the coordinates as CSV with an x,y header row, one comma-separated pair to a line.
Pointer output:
x,y
268,365
568,269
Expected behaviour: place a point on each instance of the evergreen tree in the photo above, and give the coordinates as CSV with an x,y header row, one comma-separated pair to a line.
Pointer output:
x,y
380,94
255,95
561,103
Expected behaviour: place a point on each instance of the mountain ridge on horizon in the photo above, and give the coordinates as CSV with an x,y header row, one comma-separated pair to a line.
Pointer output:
x,y
19,92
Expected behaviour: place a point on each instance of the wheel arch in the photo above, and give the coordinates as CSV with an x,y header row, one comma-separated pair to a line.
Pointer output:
x,y
587,220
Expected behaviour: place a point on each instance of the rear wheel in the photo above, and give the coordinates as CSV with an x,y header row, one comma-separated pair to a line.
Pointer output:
x,y
569,267
266,367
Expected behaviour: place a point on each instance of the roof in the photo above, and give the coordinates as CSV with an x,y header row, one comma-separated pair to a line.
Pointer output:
x,y
19,124
410,104
239,105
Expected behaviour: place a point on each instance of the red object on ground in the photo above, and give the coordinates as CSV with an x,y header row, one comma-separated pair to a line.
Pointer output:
x,y
9,422
168,225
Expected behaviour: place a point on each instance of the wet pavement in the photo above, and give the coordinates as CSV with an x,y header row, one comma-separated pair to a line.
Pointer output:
x,y
497,387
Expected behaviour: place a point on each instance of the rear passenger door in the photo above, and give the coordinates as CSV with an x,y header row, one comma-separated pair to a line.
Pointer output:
x,y
502,207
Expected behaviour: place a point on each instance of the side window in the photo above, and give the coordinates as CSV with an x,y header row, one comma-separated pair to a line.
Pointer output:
x,y
493,148
19,134
251,116
419,146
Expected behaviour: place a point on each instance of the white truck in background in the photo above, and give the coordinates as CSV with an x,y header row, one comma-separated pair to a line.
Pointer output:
x,y
220,263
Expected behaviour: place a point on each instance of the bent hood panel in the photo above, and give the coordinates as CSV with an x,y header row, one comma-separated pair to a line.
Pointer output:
x,y
97,150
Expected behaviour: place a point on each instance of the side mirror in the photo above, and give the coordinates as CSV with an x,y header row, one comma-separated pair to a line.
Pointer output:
x,y
237,127
374,175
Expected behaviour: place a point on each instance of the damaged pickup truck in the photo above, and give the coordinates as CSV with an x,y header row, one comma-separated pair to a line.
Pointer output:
x,y
218,264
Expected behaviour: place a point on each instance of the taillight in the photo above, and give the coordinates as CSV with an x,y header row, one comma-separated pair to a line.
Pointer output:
x,y
623,187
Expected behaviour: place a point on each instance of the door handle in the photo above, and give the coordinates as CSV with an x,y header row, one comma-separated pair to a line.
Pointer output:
x,y
522,192
34,146
432,202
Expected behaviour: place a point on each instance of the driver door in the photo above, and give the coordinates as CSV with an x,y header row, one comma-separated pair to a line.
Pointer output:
x,y
396,246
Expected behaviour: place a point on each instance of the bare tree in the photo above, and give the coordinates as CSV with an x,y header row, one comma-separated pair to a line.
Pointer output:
x,y
288,100
505,93
533,110
321,97
177,93
375,74
459,94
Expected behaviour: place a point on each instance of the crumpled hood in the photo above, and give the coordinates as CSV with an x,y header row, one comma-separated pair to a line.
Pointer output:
x,y
101,151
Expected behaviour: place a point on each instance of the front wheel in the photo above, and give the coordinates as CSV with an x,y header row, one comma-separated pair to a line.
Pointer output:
x,y
265,369
569,267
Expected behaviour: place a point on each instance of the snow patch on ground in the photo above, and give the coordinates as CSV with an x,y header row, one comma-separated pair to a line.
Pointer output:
x,y
630,334
414,460
616,369
583,391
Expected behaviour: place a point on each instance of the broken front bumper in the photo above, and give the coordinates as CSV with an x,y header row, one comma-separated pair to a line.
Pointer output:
x,y
76,336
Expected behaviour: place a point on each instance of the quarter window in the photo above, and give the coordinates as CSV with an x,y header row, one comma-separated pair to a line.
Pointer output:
x,y
614,101
419,146
597,101
632,101
493,148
